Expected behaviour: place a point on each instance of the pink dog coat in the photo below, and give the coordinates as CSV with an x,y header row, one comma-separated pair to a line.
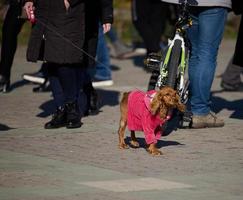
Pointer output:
x,y
140,118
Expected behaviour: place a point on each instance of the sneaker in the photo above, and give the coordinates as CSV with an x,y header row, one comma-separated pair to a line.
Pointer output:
x,y
232,88
37,77
121,49
206,121
136,52
100,83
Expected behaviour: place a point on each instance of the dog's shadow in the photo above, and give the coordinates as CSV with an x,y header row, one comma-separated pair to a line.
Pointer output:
x,y
160,143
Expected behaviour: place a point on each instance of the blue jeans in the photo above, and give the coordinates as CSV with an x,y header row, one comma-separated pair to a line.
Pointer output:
x,y
103,71
205,36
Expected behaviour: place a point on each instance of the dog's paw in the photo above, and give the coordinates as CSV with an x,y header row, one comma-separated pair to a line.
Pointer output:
x,y
123,146
134,144
156,152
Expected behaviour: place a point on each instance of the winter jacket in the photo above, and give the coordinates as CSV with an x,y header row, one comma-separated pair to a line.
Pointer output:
x,y
66,36
210,3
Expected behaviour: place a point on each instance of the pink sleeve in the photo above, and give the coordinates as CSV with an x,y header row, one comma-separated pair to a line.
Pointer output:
x,y
148,128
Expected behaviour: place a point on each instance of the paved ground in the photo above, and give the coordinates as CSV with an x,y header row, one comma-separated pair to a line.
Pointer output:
x,y
86,164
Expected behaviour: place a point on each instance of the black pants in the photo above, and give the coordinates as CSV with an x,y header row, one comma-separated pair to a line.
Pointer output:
x,y
238,58
66,82
149,17
11,27
232,74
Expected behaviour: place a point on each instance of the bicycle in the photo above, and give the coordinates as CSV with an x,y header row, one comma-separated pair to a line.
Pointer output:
x,y
170,67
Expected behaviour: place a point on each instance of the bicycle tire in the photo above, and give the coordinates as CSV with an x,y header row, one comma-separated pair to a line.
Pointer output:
x,y
153,80
173,64
155,73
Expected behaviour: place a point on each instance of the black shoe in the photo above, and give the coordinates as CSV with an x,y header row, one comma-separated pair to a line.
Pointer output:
x,y
73,115
58,119
152,62
45,87
93,104
4,84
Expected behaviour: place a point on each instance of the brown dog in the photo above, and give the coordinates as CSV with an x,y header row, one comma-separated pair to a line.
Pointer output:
x,y
147,112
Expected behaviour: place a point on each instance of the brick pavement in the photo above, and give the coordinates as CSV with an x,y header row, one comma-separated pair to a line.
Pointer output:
x,y
86,164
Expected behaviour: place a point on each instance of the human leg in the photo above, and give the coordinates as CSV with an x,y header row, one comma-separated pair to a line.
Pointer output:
x,y
231,78
59,116
11,28
102,75
238,59
91,96
146,16
119,47
70,79
205,36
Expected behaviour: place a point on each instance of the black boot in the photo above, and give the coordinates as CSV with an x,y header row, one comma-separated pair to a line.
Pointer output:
x,y
94,108
73,115
45,87
92,100
59,119
4,84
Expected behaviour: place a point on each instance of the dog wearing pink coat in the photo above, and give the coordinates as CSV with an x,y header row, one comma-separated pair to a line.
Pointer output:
x,y
147,112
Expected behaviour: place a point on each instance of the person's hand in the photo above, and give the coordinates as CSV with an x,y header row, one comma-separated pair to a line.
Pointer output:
x,y
67,4
106,27
29,7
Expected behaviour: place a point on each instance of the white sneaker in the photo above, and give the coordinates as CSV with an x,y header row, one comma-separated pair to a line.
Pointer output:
x,y
36,77
100,83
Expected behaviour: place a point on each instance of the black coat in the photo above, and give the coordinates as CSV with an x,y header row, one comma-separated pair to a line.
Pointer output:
x,y
66,37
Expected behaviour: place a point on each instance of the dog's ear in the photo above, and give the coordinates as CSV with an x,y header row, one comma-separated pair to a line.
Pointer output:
x,y
155,105
180,106
158,105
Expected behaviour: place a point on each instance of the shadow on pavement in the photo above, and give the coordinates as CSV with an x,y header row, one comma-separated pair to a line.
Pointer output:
x,y
115,68
160,143
47,108
18,84
235,106
4,127
106,97
138,61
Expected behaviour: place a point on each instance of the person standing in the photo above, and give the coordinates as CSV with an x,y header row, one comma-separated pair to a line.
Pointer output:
x,y
149,17
205,35
231,78
12,26
102,75
65,37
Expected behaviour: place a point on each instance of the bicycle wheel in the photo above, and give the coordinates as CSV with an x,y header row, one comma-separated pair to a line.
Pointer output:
x,y
156,71
173,64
